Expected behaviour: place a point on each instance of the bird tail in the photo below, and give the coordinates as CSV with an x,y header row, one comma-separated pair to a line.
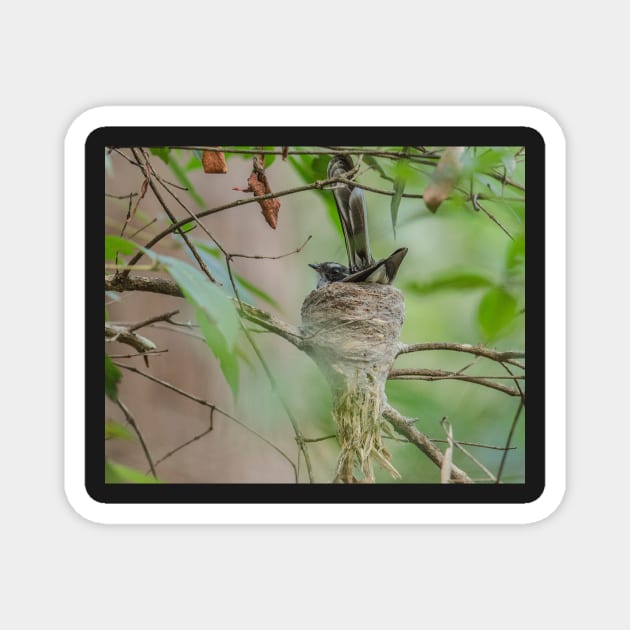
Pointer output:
x,y
352,211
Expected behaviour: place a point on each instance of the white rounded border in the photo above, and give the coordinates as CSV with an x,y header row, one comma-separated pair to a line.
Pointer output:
x,y
381,116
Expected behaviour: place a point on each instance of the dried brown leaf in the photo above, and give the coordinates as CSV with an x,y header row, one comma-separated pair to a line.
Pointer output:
x,y
214,162
259,185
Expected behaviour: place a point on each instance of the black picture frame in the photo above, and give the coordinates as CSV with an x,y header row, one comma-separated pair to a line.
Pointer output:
x,y
404,493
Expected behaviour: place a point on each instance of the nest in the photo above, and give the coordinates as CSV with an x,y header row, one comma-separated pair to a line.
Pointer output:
x,y
352,332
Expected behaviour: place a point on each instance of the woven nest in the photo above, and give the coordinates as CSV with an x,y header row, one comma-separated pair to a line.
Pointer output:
x,y
352,331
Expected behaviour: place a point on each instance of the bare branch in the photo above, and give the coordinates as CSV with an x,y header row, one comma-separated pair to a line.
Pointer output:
x,y
265,320
477,206
166,286
447,463
440,375
481,351
139,354
475,460
205,403
157,318
148,169
123,335
190,441
134,425
404,426
294,251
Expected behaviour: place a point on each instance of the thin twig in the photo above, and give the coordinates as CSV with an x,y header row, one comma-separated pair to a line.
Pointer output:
x,y
171,216
513,425
205,403
320,439
489,446
317,185
447,462
422,159
141,229
509,440
188,442
132,194
441,375
134,425
404,426
164,317
472,458
123,335
138,354
126,157
295,251
478,206
380,191
482,351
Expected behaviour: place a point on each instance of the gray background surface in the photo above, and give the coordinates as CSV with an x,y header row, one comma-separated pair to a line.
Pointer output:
x,y
63,58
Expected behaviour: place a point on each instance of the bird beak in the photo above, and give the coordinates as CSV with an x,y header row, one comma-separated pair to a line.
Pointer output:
x,y
313,266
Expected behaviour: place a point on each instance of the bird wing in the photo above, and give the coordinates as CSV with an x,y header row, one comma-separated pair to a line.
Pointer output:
x,y
381,272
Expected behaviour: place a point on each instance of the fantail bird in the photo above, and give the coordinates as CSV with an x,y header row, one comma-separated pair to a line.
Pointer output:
x,y
352,210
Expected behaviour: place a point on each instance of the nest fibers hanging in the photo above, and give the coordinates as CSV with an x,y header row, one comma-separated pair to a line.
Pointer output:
x,y
352,332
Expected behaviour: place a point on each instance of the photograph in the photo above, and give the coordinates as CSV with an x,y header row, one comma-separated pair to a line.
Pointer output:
x,y
341,314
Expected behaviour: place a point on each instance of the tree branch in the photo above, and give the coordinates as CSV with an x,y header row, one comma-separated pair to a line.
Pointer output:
x,y
480,351
132,421
441,375
123,335
404,426
166,286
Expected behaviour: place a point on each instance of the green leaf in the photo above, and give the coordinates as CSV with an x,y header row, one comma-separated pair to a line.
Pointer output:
x,y
509,163
372,162
194,163
399,189
117,473
203,294
488,182
162,152
298,162
319,166
117,245
259,293
186,227
216,342
496,310
112,378
451,280
116,431
311,171
403,171
492,158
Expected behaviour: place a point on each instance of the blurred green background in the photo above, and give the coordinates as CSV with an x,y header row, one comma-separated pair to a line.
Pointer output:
x,y
463,282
